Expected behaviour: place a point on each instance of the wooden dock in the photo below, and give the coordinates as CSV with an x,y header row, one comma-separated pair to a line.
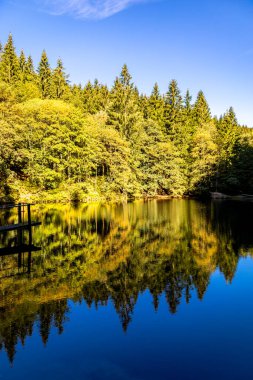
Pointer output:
x,y
22,224
18,226
7,251
23,245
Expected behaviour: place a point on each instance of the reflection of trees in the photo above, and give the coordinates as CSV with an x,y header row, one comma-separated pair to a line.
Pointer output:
x,y
112,253
18,323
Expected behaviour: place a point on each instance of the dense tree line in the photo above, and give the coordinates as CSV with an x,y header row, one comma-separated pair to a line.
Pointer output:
x,y
78,141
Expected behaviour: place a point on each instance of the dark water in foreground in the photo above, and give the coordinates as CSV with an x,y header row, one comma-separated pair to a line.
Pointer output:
x,y
147,290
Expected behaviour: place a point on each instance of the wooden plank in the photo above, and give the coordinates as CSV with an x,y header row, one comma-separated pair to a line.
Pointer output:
x,y
12,227
6,206
18,249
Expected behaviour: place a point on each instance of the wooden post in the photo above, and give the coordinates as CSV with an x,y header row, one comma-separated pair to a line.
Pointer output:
x,y
20,235
29,213
19,213
29,225
29,261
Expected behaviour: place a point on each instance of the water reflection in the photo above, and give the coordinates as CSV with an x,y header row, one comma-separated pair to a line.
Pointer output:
x,y
101,253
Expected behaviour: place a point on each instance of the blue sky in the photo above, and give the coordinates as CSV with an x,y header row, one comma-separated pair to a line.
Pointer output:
x,y
203,44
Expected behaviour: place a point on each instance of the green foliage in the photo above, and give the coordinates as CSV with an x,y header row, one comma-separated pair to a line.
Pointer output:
x,y
157,162
201,110
155,106
59,79
123,111
115,141
45,76
203,160
9,63
173,109
95,98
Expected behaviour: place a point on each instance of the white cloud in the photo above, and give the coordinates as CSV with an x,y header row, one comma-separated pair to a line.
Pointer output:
x,y
89,9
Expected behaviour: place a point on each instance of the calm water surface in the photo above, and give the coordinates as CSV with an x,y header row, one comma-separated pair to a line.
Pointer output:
x,y
145,290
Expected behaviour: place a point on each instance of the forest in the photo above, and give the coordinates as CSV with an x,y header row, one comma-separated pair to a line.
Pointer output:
x,y
63,141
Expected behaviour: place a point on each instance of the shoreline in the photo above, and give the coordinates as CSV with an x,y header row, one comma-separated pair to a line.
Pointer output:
x,y
64,198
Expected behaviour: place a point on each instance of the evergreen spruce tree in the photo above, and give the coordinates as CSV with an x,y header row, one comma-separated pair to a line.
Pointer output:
x,y
45,76
30,74
173,111
123,111
76,95
187,103
9,64
22,66
188,116
155,106
29,66
201,110
143,105
227,141
60,80
95,97
183,138
174,119
125,77
22,61
100,97
27,86
203,157
87,97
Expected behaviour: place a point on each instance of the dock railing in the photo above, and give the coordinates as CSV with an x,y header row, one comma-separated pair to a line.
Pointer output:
x,y
23,208
25,223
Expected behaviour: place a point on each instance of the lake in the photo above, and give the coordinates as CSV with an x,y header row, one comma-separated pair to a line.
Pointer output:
x,y
153,290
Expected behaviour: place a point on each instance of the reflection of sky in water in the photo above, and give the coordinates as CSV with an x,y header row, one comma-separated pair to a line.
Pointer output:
x,y
155,248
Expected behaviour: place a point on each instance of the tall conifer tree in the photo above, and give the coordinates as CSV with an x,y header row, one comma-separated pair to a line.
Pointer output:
x,y
187,103
204,149
173,109
123,112
227,139
9,65
30,74
155,107
60,80
45,76
201,110
30,66
22,66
